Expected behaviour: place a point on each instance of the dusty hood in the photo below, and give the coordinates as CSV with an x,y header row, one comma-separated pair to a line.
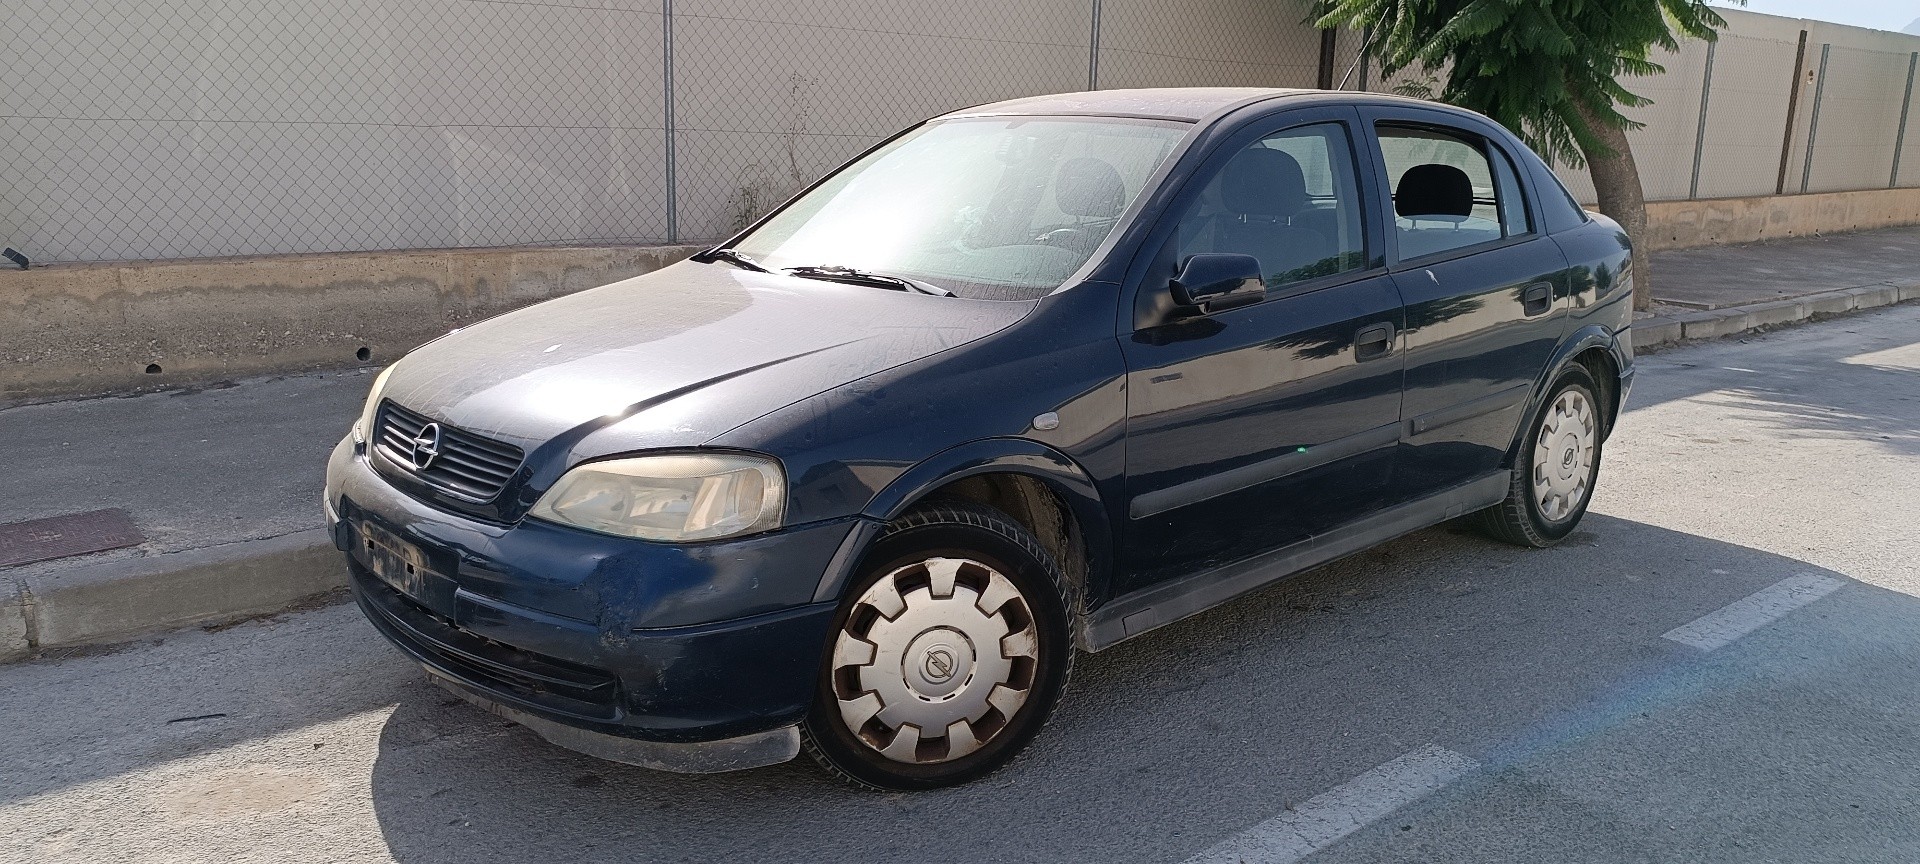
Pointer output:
x,y
676,357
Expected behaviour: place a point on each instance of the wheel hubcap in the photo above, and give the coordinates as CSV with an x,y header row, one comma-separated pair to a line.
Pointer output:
x,y
934,660
1563,456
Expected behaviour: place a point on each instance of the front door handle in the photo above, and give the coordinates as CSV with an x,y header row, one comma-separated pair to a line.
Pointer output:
x,y
1537,298
1373,342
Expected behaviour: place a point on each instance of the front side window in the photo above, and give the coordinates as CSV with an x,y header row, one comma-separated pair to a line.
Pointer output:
x,y
990,208
1445,195
1290,200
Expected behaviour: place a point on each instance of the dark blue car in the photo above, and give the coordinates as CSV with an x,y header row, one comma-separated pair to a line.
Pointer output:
x,y
1032,377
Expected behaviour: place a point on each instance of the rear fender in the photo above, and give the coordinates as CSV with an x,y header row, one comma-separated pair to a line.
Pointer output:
x,y
1582,339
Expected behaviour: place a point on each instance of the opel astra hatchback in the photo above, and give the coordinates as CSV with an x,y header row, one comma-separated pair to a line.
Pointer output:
x,y
1024,380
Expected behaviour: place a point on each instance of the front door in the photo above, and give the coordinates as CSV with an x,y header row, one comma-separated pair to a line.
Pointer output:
x,y
1259,426
1485,294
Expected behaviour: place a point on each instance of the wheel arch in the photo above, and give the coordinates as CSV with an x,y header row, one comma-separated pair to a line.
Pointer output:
x,y
1592,346
1040,487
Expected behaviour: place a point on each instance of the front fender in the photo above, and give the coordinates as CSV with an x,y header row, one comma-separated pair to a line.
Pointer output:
x,y
1065,477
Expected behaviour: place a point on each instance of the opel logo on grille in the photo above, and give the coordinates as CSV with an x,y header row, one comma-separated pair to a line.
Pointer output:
x,y
426,446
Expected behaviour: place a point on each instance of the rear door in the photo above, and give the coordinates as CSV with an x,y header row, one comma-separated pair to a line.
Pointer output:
x,y
1258,426
1485,291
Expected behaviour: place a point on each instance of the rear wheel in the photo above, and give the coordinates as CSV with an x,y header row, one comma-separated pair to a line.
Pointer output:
x,y
1554,473
948,655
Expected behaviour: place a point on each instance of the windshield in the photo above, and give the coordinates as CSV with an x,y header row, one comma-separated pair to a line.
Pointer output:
x,y
990,208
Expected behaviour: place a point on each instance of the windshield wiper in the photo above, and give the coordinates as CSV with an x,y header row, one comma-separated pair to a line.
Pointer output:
x,y
737,259
850,276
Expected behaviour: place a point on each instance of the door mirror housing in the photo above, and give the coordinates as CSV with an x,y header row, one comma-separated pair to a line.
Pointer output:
x,y
1219,280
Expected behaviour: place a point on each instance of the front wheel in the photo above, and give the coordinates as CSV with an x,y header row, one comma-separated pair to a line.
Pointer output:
x,y
1554,473
947,656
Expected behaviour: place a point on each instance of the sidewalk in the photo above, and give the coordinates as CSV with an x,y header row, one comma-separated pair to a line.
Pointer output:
x,y
1723,290
223,483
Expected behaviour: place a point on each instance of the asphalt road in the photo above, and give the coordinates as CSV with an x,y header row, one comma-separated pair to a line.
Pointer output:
x,y
1722,665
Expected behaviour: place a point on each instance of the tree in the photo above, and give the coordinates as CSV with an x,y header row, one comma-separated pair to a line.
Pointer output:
x,y
1549,70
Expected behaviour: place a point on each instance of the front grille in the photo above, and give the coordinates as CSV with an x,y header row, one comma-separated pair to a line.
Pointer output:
x,y
467,465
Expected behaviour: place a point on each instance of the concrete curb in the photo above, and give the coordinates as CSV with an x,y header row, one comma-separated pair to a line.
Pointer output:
x,y
119,600
1692,326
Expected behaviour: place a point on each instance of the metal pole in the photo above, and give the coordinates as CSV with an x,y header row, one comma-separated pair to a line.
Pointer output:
x,y
1793,104
1700,135
1813,122
1328,43
673,182
1900,138
1093,50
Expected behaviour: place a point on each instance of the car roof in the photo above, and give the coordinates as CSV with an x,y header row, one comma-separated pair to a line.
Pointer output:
x,y
1169,103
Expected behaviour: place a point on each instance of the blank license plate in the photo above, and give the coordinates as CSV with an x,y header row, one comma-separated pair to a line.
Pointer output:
x,y
395,561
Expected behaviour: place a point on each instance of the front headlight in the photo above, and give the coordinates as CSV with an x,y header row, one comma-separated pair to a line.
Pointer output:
x,y
363,428
676,498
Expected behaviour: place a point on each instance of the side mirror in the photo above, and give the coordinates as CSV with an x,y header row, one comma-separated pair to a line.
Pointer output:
x,y
1219,280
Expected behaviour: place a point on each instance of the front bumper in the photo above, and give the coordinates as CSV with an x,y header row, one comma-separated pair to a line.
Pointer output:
x,y
602,644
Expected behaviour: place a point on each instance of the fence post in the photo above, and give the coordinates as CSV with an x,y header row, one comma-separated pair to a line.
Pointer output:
x,y
1900,138
1328,42
667,120
1093,50
1793,105
1700,135
1813,122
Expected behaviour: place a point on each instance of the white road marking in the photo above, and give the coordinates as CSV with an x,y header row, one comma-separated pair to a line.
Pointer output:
x,y
1342,810
1718,628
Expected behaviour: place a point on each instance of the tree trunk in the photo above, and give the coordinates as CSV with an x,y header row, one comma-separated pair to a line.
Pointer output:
x,y
1616,182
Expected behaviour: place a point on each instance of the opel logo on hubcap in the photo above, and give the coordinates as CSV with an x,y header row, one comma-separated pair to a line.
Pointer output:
x,y
426,446
938,665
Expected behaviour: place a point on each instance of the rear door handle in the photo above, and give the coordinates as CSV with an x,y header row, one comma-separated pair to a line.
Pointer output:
x,y
1537,298
1373,342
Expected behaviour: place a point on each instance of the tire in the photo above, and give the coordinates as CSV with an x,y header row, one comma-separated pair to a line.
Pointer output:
x,y
934,570
1552,484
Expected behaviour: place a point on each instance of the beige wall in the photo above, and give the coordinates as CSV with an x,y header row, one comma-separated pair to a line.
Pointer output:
x,y
1713,222
94,328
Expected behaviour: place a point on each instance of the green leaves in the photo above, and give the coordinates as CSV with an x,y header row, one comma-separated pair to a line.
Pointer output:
x,y
1530,64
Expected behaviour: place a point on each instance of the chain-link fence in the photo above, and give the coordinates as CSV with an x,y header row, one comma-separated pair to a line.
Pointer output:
x,y
143,129
152,129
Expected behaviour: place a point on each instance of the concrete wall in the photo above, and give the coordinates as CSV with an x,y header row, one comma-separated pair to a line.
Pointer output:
x,y
94,328
1717,221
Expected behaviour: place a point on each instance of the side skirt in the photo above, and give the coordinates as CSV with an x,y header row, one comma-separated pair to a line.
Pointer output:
x,y
1163,604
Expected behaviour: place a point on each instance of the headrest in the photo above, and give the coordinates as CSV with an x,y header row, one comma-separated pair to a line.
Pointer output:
x,y
1089,188
1260,181
1433,190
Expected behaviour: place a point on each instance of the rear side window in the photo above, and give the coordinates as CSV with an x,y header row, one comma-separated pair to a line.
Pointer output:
x,y
1291,200
1449,191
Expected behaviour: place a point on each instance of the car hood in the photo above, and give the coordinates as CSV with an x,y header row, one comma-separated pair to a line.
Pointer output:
x,y
675,357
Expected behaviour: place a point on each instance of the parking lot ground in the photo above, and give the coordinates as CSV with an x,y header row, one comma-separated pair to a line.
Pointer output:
x,y
1723,664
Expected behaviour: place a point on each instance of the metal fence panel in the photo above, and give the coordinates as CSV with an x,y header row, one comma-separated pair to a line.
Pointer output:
x,y
190,128
1206,43
769,95
185,128
1859,117
1746,114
